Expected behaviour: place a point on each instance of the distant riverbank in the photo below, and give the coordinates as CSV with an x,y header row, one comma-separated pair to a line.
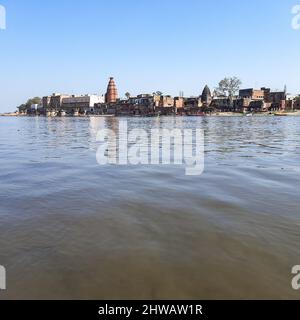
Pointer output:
x,y
234,114
218,114
12,114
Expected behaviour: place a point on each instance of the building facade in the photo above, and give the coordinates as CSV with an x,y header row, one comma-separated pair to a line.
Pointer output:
x,y
81,104
252,94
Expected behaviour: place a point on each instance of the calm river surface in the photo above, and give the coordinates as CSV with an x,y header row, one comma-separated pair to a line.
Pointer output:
x,y
70,228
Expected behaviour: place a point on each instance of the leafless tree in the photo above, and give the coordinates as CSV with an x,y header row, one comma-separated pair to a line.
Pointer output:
x,y
229,86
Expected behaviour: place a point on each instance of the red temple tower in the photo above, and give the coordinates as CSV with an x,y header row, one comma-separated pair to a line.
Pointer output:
x,y
112,92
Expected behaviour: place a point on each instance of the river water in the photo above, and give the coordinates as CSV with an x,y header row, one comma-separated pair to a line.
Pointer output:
x,y
73,229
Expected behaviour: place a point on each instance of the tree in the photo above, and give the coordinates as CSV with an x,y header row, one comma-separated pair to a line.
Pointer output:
x,y
298,97
229,86
27,105
35,100
127,95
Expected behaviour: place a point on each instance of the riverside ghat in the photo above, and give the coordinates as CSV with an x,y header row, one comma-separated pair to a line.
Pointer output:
x,y
226,101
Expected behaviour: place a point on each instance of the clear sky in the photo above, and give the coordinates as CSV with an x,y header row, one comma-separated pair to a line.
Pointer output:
x,y
147,45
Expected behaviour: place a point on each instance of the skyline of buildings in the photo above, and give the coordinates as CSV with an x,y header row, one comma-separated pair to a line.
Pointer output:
x,y
247,100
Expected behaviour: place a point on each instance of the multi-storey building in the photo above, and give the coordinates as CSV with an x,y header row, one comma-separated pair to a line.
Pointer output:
x,y
82,104
54,102
179,102
222,104
252,94
297,104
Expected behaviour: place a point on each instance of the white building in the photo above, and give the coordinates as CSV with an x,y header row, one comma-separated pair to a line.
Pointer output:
x,y
81,103
34,107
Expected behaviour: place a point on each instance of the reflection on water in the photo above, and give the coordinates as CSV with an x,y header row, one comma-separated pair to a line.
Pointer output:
x,y
70,228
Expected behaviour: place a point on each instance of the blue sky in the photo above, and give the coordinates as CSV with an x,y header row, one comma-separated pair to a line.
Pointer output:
x,y
147,45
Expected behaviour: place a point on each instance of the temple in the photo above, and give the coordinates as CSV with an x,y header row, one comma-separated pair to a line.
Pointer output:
x,y
206,97
112,92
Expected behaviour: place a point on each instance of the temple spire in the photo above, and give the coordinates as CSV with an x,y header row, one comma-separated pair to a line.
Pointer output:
x,y
112,92
206,96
